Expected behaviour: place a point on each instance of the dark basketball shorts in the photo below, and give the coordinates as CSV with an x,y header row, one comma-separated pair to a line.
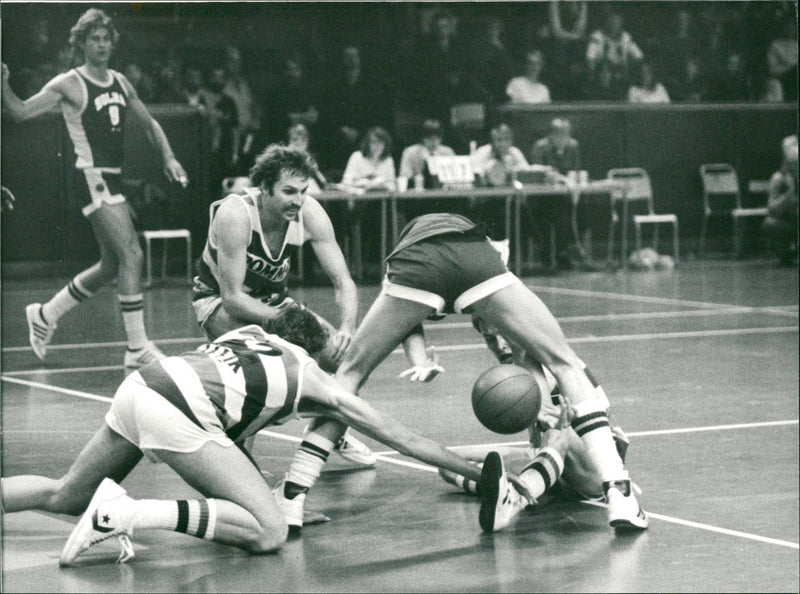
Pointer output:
x,y
95,186
449,272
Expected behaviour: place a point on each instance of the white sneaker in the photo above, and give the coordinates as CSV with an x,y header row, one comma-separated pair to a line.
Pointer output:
x,y
107,516
141,357
624,512
39,331
292,508
355,452
500,500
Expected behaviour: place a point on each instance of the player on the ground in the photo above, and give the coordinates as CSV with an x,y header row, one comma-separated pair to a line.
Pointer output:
x,y
444,263
555,462
96,101
243,274
187,411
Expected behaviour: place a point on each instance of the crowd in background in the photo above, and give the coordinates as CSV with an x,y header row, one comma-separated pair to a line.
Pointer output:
x,y
413,62
356,87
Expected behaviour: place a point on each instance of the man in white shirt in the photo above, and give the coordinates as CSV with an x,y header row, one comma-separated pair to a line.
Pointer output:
x,y
527,88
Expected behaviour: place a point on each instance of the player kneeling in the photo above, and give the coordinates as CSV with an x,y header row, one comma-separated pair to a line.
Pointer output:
x,y
189,411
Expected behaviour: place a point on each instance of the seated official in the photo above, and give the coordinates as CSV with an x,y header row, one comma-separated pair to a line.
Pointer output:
x,y
561,152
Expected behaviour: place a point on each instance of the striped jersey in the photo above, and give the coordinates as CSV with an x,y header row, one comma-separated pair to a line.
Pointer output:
x,y
96,125
243,381
267,275
430,225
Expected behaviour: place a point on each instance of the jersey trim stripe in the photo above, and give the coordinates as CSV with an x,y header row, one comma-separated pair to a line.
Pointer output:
x,y
156,378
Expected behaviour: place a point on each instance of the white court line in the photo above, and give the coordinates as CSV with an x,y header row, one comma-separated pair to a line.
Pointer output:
x,y
479,345
426,468
710,528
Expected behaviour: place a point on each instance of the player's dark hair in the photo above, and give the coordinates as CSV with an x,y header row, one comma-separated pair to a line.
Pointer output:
x,y
277,158
299,326
88,21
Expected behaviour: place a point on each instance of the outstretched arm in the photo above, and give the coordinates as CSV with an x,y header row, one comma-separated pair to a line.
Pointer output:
x,y
155,134
332,401
42,102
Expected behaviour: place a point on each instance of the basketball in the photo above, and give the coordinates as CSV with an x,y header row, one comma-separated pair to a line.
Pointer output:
x,y
506,399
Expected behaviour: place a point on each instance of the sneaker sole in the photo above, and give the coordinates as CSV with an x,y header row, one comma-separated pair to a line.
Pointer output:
x,y
490,490
72,548
625,525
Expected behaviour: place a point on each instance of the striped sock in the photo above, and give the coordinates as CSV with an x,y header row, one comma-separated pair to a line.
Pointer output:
x,y
543,472
591,425
71,295
307,465
195,517
133,319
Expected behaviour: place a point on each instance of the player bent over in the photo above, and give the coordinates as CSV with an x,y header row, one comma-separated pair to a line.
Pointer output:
x,y
253,235
188,411
445,263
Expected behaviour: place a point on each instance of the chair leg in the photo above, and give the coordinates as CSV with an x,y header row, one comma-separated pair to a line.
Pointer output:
x,y
703,230
638,228
675,241
737,238
149,264
164,259
655,237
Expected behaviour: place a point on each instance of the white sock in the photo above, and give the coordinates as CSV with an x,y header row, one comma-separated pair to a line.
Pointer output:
x,y
133,319
591,425
71,295
543,472
309,459
195,517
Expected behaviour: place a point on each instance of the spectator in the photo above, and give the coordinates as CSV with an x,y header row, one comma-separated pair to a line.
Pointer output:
x,y
527,88
370,168
143,83
169,86
614,48
294,99
733,83
223,123
780,226
561,152
646,89
677,49
194,92
491,63
247,117
494,164
439,54
413,163
414,170
782,59
299,137
565,51
353,103
691,85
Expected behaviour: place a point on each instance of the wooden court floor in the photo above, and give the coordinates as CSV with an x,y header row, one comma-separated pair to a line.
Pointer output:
x,y
700,365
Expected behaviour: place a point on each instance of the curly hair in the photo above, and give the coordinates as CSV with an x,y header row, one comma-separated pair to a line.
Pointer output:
x,y
277,158
88,21
299,326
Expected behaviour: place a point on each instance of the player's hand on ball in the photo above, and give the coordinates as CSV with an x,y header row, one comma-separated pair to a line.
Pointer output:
x,y
426,371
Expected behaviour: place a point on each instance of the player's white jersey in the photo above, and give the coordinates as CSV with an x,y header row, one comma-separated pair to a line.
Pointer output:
x,y
243,381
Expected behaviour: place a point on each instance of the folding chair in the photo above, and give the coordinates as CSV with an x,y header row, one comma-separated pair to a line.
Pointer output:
x,y
639,189
722,196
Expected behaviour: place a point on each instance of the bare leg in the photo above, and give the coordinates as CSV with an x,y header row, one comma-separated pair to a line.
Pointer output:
x,y
116,235
107,454
247,514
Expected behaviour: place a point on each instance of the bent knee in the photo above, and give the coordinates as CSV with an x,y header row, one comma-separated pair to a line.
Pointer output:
x,y
268,540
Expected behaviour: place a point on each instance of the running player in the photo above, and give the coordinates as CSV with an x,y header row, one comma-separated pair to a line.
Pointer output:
x,y
444,263
187,411
95,102
244,270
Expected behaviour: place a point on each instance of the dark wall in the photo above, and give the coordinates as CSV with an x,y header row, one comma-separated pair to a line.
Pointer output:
x,y
670,142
